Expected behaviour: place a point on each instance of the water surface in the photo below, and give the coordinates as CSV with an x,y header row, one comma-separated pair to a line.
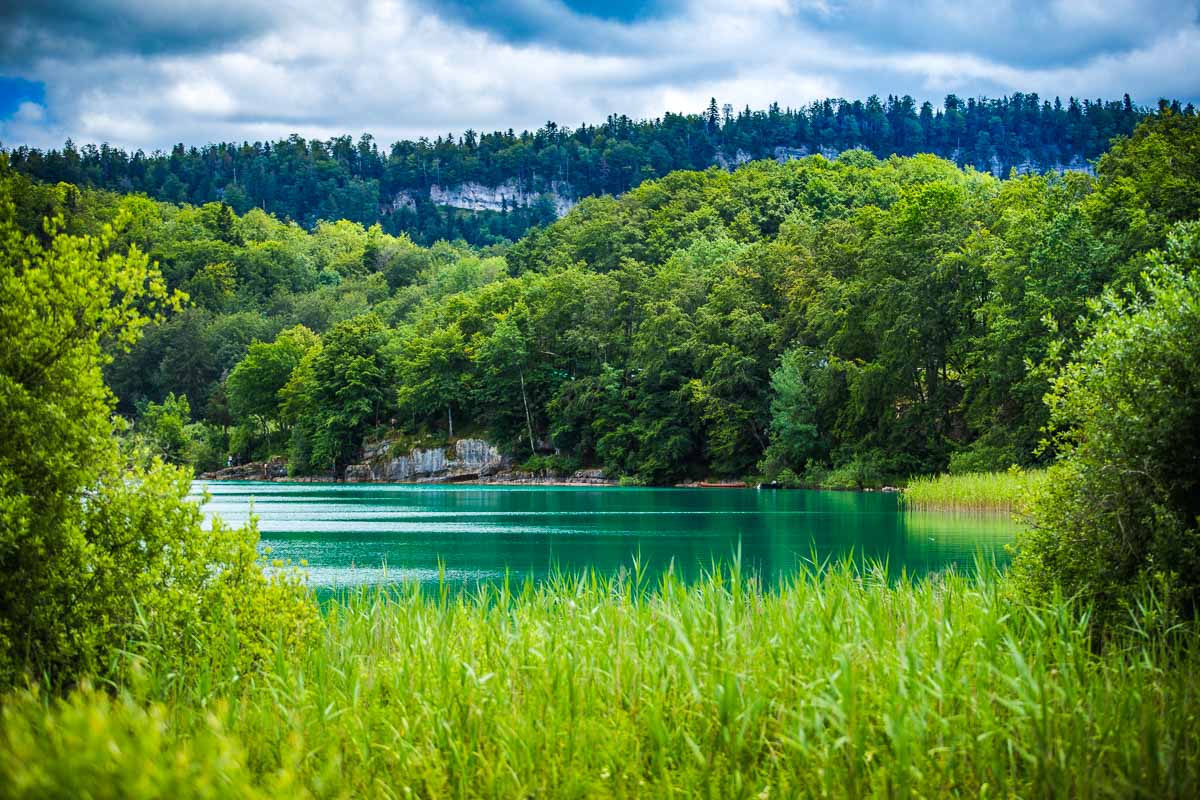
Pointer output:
x,y
353,534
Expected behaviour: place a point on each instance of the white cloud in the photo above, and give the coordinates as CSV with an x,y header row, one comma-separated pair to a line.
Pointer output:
x,y
400,70
29,112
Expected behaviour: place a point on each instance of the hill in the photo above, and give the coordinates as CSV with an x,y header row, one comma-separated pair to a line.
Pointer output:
x,y
491,187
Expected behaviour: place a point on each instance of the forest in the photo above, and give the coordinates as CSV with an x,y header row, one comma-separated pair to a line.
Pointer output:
x,y
845,322
308,181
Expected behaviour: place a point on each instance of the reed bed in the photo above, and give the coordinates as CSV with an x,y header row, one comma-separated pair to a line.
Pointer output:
x,y
844,682
973,491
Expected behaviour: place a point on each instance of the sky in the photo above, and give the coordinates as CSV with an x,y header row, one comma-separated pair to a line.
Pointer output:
x,y
146,74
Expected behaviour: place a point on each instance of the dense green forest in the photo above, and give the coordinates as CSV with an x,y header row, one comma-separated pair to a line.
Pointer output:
x,y
309,181
836,322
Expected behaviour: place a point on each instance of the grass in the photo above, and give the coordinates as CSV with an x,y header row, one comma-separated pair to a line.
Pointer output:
x,y
972,491
842,685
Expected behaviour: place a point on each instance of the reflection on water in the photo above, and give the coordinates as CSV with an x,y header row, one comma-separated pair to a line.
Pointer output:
x,y
367,534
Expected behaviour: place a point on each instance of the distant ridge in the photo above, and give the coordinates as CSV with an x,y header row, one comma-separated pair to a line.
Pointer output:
x,y
492,187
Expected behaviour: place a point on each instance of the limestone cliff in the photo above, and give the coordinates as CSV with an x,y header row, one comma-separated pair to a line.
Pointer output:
x,y
464,460
479,197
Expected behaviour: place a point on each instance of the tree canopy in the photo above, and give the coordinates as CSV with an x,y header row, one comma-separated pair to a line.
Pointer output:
x,y
840,321
343,179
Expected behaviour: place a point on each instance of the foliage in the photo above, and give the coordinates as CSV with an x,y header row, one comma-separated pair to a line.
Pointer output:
x,y
341,179
549,466
253,387
1121,506
794,433
338,392
834,684
163,427
851,322
91,550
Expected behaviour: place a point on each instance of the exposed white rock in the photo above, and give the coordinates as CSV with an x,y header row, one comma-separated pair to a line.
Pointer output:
x,y
473,196
730,162
466,459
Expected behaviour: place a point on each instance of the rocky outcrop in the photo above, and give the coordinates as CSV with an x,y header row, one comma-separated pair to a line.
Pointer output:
x,y
582,477
731,161
254,471
473,196
785,154
464,460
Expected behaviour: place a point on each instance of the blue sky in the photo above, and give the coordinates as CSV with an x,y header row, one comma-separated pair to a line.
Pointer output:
x,y
148,74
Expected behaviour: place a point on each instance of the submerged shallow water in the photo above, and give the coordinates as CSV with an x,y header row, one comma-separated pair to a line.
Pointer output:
x,y
355,534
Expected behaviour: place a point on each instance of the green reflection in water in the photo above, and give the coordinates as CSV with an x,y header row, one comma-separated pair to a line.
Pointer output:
x,y
356,534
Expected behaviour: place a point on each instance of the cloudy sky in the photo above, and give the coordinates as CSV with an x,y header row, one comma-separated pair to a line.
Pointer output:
x,y
140,73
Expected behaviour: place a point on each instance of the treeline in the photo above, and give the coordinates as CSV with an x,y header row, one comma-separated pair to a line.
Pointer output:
x,y
839,322
312,180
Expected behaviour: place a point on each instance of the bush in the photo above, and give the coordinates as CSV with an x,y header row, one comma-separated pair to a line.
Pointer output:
x,y
861,471
1121,507
163,428
982,457
97,558
550,465
210,446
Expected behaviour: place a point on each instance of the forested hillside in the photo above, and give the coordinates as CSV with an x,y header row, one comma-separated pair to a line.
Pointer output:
x,y
309,181
842,321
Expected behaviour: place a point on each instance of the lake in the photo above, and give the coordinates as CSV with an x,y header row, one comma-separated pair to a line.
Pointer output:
x,y
354,534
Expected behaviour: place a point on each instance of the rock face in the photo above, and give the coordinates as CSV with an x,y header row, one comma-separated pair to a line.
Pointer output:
x,y
785,154
478,197
726,161
465,460
254,471
582,477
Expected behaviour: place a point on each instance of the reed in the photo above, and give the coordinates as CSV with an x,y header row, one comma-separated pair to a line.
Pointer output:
x,y
973,491
840,682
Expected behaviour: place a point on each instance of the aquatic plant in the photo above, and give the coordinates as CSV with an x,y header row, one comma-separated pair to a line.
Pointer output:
x,y
839,682
972,491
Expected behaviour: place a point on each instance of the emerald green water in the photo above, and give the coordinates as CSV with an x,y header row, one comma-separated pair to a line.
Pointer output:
x,y
353,534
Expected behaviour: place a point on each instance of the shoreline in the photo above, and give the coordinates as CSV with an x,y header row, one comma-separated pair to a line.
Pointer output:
x,y
594,483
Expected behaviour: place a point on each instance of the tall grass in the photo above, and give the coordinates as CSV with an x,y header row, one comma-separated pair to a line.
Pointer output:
x,y
973,491
846,684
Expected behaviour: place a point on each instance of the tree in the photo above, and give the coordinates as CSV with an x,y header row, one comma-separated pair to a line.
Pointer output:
x,y
432,372
97,558
339,390
254,385
503,359
163,427
1120,508
1149,181
795,437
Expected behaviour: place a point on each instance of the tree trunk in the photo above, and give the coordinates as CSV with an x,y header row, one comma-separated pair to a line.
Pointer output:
x,y
528,419
450,417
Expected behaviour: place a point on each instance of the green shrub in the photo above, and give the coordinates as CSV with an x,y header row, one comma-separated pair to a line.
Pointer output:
x,y
1121,506
860,471
163,428
550,465
209,446
982,457
815,473
99,559
142,756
